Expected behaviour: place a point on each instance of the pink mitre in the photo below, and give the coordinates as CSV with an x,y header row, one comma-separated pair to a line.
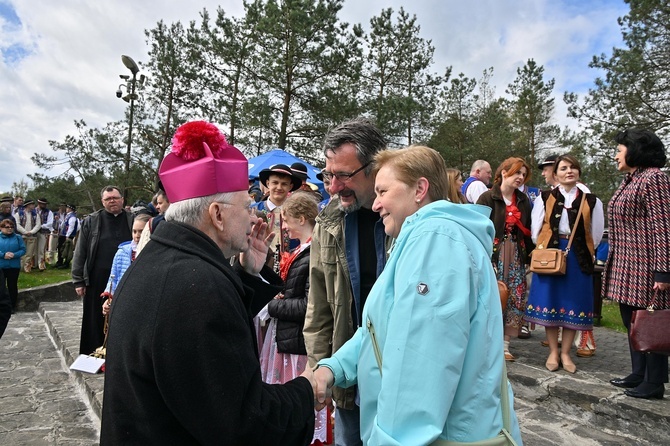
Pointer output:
x,y
202,163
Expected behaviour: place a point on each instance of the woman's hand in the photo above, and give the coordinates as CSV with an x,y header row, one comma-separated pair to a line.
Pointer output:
x,y
323,390
9,255
661,286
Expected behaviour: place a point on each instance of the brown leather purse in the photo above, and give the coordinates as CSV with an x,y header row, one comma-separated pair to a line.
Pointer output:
x,y
552,261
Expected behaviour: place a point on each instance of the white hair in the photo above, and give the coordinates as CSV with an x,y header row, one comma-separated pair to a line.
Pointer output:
x,y
192,210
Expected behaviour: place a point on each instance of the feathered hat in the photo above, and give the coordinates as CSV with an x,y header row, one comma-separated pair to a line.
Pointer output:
x,y
202,163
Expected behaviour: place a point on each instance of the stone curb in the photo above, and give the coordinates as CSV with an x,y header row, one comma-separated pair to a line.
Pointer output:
x,y
29,299
587,395
63,321
594,401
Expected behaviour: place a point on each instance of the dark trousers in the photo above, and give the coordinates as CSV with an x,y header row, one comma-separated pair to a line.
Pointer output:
x,y
653,367
61,244
12,280
5,305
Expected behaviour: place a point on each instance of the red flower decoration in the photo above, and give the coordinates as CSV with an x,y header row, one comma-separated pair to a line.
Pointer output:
x,y
188,140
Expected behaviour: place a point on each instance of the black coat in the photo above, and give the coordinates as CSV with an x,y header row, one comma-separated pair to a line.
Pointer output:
x,y
290,311
182,366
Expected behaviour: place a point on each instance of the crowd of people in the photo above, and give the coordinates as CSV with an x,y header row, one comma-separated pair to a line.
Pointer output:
x,y
31,238
250,308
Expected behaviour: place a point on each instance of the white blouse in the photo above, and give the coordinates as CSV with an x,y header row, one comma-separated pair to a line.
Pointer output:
x,y
597,217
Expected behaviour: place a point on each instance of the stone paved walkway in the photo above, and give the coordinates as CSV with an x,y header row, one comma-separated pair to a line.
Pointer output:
x,y
39,401
42,402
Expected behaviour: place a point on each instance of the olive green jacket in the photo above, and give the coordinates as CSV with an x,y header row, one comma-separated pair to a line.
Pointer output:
x,y
329,321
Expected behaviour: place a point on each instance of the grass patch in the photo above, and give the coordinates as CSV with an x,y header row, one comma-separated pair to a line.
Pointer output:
x,y
46,277
612,316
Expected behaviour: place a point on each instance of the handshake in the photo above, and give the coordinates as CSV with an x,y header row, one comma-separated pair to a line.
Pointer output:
x,y
322,380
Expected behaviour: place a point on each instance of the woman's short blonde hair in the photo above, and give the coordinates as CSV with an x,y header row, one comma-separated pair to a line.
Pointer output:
x,y
301,204
414,162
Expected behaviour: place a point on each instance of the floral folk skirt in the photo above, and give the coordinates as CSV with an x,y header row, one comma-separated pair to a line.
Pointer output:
x,y
512,271
562,301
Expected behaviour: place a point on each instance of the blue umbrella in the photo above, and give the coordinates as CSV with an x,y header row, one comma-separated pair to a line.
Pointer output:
x,y
279,156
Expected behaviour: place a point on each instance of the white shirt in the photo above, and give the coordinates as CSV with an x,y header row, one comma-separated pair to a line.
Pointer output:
x,y
474,190
597,217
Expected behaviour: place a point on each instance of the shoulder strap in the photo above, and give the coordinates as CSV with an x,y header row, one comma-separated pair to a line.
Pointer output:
x,y
545,234
579,214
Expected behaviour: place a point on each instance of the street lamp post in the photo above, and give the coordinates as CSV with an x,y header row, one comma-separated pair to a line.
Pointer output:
x,y
129,97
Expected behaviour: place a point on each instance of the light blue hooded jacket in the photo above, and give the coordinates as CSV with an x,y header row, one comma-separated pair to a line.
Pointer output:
x,y
120,264
435,311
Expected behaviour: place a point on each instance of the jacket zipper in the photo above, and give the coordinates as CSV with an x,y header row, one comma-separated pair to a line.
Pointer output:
x,y
375,345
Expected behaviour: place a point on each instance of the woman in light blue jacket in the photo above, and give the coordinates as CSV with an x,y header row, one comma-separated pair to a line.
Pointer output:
x,y
12,248
124,256
434,315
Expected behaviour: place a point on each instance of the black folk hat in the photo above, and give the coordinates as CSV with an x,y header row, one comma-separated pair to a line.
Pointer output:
x,y
280,169
299,170
548,161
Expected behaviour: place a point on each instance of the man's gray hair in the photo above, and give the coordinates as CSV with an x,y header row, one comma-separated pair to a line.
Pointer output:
x,y
479,164
362,134
191,211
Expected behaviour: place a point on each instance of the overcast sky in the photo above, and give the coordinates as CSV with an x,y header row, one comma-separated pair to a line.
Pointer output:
x,y
61,59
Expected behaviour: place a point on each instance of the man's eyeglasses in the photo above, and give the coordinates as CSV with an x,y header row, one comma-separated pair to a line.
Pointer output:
x,y
342,177
108,199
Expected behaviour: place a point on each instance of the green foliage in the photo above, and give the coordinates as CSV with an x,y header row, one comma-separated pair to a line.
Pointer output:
x,y
634,90
472,124
399,91
532,112
285,71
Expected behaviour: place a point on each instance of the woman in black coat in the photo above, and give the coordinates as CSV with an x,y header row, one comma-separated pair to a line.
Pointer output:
x,y
510,213
283,356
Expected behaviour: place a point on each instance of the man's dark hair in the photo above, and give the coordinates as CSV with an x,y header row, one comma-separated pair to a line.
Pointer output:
x,y
362,134
110,189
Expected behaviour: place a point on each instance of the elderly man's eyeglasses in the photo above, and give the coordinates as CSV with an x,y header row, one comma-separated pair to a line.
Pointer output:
x,y
246,206
340,176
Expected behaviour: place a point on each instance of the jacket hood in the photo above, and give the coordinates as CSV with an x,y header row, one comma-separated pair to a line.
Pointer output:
x,y
473,218
122,244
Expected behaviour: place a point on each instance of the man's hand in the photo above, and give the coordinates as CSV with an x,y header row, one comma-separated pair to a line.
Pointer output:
x,y
9,255
81,291
106,307
254,258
